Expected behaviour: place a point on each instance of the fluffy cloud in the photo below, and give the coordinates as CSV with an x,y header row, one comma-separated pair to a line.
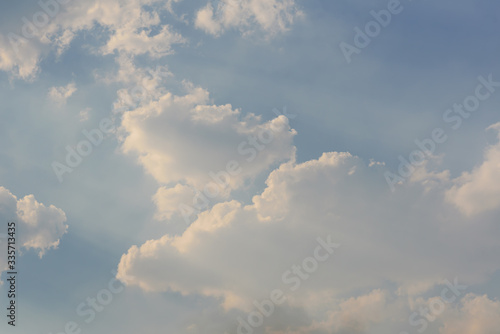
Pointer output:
x,y
477,314
19,56
355,315
212,149
133,27
60,94
38,227
167,200
479,191
271,17
412,238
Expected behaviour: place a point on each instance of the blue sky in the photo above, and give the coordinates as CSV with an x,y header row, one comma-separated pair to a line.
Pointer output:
x,y
209,76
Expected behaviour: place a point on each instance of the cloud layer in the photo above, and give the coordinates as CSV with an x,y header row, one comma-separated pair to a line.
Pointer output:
x,y
413,239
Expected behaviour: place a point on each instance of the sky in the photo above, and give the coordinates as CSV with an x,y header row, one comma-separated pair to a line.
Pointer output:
x,y
250,166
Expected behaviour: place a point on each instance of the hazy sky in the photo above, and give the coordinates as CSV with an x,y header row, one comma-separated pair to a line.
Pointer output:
x,y
251,166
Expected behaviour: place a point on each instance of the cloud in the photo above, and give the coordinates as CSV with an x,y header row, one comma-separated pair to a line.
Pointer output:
x,y
60,94
355,315
135,27
213,149
84,114
132,27
479,191
477,314
269,16
38,227
238,253
167,200
19,56
131,42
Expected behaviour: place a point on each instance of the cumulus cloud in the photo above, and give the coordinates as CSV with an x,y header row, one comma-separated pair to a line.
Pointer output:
x,y
238,253
167,200
477,314
355,315
38,227
479,191
211,148
61,94
271,17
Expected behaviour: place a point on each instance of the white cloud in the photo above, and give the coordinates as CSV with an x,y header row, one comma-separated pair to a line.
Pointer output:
x,y
61,94
84,114
477,314
479,191
19,56
238,254
38,227
167,200
135,43
133,26
270,16
355,315
186,139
